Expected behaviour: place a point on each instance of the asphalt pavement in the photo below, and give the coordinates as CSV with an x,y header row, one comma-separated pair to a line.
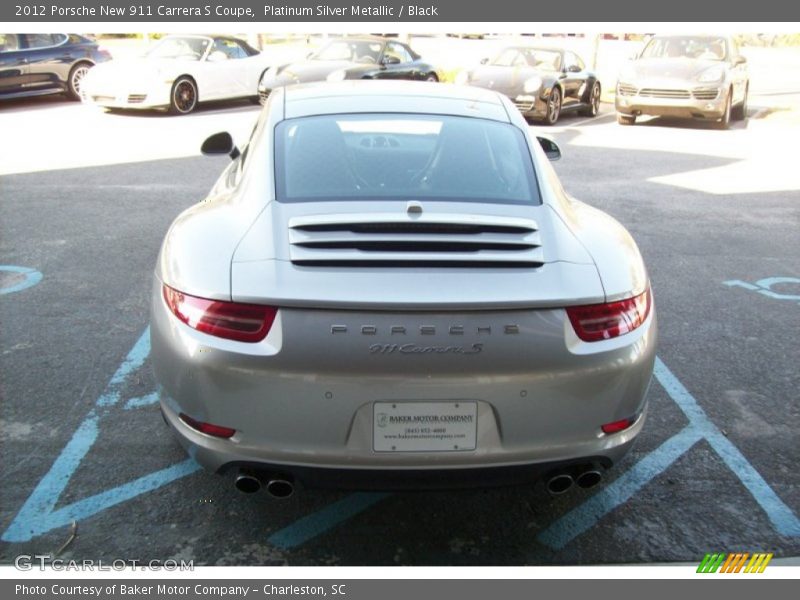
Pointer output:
x,y
715,214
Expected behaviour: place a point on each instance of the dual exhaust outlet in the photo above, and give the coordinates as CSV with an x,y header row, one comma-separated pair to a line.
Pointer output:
x,y
584,476
249,481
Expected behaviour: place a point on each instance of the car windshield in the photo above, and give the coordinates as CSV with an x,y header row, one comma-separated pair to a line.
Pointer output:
x,y
547,60
186,48
705,47
402,157
351,50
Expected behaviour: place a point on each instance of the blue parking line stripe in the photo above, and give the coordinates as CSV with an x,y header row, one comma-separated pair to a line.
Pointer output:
x,y
323,520
779,514
141,401
586,515
46,520
134,360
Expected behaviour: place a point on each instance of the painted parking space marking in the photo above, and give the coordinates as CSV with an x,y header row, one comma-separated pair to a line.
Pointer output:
x,y
30,277
764,287
317,523
583,517
39,513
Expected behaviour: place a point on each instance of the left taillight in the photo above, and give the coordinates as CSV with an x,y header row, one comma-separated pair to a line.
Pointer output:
x,y
229,320
596,322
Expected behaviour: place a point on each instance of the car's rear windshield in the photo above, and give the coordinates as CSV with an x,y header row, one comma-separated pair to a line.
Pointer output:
x,y
402,157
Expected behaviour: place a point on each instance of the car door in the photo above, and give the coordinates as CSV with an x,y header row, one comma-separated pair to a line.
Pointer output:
x,y
397,63
738,66
49,60
13,64
225,71
573,78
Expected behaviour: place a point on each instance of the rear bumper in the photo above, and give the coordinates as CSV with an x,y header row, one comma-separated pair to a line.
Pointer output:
x,y
304,399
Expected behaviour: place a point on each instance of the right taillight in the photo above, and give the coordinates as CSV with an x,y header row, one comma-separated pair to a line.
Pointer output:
x,y
230,320
596,322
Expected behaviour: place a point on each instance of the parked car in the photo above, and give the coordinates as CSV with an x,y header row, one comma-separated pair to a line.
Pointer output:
x,y
687,76
37,64
388,287
541,82
351,58
177,73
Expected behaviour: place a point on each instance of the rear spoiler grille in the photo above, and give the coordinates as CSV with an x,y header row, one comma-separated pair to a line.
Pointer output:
x,y
427,241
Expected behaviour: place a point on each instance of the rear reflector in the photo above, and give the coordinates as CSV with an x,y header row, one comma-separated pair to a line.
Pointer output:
x,y
597,322
208,428
617,426
230,320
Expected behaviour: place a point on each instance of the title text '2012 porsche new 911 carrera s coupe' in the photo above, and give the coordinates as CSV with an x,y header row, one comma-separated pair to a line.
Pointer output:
x,y
388,287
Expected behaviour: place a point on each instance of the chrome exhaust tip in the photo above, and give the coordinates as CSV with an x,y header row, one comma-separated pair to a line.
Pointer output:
x,y
589,478
559,484
280,488
247,482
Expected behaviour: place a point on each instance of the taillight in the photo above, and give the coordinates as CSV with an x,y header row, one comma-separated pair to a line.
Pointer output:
x,y
230,320
617,426
208,428
597,322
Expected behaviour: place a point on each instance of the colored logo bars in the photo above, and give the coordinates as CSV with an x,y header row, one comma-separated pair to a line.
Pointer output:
x,y
734,562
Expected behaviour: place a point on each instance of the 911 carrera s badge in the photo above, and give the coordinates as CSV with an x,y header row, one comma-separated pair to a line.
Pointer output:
x,y
417,349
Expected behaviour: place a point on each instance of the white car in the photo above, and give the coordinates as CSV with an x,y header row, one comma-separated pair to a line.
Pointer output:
x,y
178,72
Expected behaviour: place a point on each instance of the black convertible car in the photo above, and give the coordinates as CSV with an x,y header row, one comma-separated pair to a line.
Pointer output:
x,y
351,58
542,82
35,64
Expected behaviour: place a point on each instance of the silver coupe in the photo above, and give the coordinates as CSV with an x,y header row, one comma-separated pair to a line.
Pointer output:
x,y
389,288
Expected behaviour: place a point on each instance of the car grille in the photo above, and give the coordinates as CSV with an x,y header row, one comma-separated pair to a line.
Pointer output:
x,y
136,98
523,106
664,93
429,241
624,89
706,93
103,98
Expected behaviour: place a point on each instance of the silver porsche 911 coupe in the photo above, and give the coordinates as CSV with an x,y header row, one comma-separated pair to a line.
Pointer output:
x,y
388,288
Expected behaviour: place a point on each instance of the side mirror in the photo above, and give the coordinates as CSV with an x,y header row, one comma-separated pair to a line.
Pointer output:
x,y
220,143
551,149
484,61
739,60
573,69
390,60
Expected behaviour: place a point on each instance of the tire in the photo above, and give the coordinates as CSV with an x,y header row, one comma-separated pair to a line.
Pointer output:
x,y
593,104
432,78
183,97
76,75
626,119
553,107
739,112
725,121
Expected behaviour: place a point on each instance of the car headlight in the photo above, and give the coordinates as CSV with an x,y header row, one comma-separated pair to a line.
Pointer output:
x,y
532,85
712,75
337,75
462,78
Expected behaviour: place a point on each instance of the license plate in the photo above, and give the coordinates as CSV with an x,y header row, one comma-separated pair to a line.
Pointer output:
x,y
424,426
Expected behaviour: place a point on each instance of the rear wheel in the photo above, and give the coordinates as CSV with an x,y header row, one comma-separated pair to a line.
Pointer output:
x,y
593,102
75,80
432,78
739,112
626,119
183,98
553,107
